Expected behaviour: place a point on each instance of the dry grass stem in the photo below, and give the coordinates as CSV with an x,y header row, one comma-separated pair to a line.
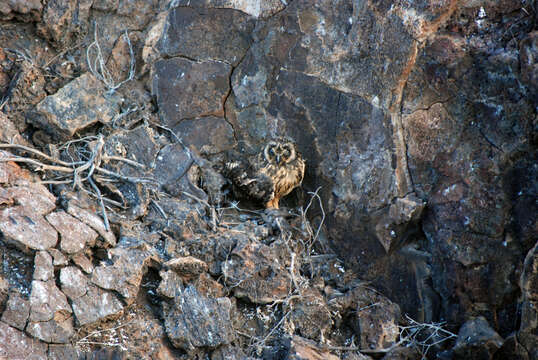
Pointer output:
x,y
98,68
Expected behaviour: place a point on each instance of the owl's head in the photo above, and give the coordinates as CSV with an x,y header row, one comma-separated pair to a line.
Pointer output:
x,y
280,151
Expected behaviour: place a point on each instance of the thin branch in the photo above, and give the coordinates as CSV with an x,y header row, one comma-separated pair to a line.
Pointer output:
x,y
103,210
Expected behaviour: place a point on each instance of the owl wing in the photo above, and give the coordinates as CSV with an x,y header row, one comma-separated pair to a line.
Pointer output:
x,y
248,182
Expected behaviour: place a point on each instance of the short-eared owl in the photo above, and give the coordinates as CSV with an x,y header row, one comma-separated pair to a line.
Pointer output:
x,y
270,175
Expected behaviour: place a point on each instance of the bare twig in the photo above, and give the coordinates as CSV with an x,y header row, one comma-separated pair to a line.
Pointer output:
x,y
128,161
36,152
160,209
98,66
103,210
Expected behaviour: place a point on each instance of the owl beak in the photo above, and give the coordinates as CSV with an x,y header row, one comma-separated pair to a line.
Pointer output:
x,y
278,159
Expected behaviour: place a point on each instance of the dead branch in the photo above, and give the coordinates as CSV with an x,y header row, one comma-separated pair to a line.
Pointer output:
x,y
84,169
34,151
98,66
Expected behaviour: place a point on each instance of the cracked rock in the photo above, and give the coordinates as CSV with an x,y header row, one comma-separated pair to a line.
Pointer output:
x,y
92,220
477,340
90,304
377,317
17,311
129,262
310,315
194,321
58,259
15,344
64,20
254,272
83,262
256,8
187,89
26,232
43,268
50,315
304,349
207,34
75,235
394,227
79,104
35,198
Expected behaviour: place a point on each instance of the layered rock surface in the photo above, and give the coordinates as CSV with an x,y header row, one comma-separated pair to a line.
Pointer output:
x,y
417,121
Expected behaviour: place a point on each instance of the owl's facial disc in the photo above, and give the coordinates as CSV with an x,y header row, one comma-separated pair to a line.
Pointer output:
x,y
270,151
288,152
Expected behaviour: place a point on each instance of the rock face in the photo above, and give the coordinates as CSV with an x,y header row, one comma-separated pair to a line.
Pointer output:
x,y
197,321
417,120
477,340
16,345
254,272
50,314
79,104
182,78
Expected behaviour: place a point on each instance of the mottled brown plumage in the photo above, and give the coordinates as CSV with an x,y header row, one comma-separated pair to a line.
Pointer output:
x,y
270,175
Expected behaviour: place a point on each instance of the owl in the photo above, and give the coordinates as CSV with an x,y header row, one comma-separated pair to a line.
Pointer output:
x,y
269,175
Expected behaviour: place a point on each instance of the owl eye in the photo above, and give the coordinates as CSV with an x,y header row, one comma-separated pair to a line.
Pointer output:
x,y
272,151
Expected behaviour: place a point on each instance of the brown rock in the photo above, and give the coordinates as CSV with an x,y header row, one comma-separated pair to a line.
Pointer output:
x,y
47,302
64,20
15,344
256,8
9,173
171,284
58,259
181,80
17,311
50,314
79,104
25,10
52,331
26,232
376,317
141,11
9,133
229,352
74,235
194,321
129,262
43,268
96,304
34,198
105,5
74,283
254,272
188,268
310,316
529,308
211,133
92,221
83,262
4,292
207,34
477,340
403,216
403,353
303,349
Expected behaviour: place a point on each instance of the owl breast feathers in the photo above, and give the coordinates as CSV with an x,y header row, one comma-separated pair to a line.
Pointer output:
x,y
270,175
